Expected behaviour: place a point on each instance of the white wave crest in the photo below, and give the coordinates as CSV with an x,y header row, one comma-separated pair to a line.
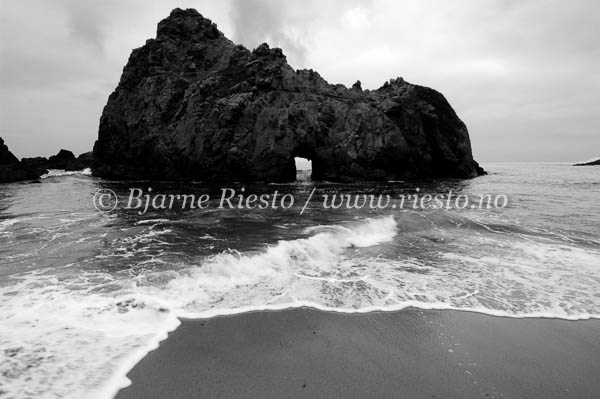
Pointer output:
x,y
78,335
62,172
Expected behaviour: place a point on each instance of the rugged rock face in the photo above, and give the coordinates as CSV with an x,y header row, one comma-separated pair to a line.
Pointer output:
x,y
11,170
193,105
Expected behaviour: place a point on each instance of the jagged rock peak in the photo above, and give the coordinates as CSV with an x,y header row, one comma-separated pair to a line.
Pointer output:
x,y
6,157
185,24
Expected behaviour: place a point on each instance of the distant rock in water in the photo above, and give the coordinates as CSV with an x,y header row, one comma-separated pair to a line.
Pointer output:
x,y
11,170
61,160
592,163
83,161
193,105
6,157
64,159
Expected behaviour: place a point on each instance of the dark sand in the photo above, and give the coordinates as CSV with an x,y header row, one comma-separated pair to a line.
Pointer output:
x,y
304,353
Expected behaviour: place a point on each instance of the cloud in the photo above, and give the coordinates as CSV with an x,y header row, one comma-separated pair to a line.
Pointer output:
x,y
357,18
523,72
290,24
60,60
87,24
258,21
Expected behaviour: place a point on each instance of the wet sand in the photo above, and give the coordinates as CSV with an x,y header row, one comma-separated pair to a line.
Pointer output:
x,y
306,353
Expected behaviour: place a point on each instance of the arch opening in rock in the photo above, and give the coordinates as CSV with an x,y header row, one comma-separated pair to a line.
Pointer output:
x,y
303,168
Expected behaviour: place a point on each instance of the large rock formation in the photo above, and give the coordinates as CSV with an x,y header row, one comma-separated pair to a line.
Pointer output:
x,y
193,105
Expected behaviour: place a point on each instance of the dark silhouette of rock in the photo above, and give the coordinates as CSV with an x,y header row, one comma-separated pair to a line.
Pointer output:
x,y
83,161
37,162
592,163
193,105
61,160
6,157
11,170
64,159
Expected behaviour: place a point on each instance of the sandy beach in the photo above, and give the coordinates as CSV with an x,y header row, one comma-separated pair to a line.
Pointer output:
x,y
405,354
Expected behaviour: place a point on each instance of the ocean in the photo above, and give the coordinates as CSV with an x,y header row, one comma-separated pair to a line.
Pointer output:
x,y
85,294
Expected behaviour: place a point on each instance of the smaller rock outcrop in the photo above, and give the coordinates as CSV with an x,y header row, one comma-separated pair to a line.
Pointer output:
x,y
6,157
592,163
83,161
64,159
61,160
36,162
11,170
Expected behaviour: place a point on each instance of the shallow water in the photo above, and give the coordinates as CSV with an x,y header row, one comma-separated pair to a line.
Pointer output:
x,y
85,294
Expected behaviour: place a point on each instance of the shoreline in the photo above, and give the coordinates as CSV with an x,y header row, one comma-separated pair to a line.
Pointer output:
x,y
414,353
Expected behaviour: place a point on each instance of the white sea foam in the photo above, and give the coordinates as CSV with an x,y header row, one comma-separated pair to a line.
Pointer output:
x,y
151,221
62,172
66,339
7,223
77,335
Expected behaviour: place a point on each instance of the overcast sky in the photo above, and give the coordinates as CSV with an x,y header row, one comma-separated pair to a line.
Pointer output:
x,y
523,75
